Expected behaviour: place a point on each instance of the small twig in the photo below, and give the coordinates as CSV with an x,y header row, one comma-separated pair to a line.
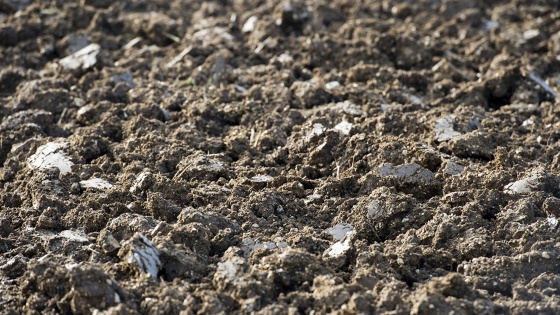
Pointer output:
x,y
542,84
178,175
132,43
262,45
337,170
62,115
257,138
252,137
179,57
172,37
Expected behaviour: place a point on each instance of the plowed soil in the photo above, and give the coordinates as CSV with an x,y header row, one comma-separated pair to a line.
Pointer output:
x,y
268,157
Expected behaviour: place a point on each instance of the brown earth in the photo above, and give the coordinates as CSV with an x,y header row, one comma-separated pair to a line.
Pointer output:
x,y
268,157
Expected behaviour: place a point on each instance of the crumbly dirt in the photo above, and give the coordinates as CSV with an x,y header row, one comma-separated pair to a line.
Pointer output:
x,y
276,157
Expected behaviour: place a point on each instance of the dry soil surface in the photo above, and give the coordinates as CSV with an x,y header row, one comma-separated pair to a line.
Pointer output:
x,y
268,157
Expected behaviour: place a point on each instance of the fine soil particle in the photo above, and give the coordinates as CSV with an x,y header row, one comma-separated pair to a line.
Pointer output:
x,y
279,157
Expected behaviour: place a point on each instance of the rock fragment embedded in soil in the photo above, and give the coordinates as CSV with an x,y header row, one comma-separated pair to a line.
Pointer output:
x,y
552,222
411,173
209,34
50,155
261,178
314,132
143,182
107,242
332,85
337,253
125,77
141,252
453,168
249,25
97,183
341,247
444,128
73,236
344,127
538,180
340,230
230,272
349,108
248,245
84,58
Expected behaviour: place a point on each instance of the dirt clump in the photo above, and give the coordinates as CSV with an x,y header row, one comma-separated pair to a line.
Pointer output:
x,y
279,157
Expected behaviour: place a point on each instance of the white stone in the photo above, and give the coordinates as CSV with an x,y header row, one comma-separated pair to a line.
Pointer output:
x,y
208,34
415,100
145,255
523,186
84,58
311,198
332,85
349,108
341,247
530,34
261,178
339,231
316,131
230,270
344,127
83,110
552,222
285,58
249,26
241,89
140,182
489,25
95,183
248,245
527,123
444,128
50,155
375,210
408,172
